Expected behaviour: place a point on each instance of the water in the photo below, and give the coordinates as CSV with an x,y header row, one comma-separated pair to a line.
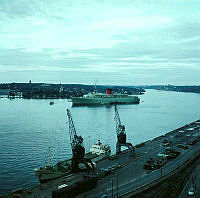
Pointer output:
x,y
29,127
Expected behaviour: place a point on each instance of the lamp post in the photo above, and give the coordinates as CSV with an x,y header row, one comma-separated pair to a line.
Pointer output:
x,y
117,185
163,158
161,171
112,186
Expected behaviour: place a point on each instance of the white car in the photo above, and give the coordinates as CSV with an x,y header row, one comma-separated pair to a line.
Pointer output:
x,y
104,196
191,192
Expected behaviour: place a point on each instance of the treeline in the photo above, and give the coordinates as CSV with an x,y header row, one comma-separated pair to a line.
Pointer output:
x,y
43,90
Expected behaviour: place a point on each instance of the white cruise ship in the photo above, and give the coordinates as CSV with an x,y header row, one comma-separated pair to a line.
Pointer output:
x,y
107,98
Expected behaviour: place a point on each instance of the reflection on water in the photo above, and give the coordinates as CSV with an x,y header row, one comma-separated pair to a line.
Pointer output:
x,y
29,127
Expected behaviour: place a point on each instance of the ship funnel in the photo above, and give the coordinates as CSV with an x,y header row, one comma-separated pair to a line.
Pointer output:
x,y
108,91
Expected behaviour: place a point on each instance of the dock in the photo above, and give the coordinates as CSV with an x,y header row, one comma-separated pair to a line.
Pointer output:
x,y
123,174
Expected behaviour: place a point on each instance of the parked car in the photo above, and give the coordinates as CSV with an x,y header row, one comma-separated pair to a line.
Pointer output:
x,y
104,196
191,192
183,146
165,142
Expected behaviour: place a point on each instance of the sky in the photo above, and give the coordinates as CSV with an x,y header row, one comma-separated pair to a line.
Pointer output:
x,y
116,42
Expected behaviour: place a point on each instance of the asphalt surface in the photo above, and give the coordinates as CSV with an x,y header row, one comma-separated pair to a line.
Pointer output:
x,y
192,183
133,176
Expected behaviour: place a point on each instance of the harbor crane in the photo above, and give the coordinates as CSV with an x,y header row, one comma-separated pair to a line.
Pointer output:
x,y
121,135
78,150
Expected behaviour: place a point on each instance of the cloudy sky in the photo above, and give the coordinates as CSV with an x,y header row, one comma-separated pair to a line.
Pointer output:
x,y
119,42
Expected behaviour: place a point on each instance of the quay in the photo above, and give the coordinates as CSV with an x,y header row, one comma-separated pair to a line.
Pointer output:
x,y
122,175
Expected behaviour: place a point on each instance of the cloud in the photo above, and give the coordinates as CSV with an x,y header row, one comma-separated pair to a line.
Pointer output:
x,y
100,37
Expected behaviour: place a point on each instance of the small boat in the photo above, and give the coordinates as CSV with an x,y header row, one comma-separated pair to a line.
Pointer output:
x,y
51,103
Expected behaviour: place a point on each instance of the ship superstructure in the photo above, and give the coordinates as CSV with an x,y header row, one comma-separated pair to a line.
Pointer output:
x,y
100,149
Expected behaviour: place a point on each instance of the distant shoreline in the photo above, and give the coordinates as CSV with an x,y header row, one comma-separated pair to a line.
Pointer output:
x,y
60,91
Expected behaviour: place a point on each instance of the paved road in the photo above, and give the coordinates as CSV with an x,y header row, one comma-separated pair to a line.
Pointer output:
x,y
193,182
134,176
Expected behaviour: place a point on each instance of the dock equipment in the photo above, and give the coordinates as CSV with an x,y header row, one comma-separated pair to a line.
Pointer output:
x,y
121,135
78,150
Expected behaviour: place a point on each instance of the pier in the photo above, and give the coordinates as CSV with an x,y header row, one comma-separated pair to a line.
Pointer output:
x,y
124,175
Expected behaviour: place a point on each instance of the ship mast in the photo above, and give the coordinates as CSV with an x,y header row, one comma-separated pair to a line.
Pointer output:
x,y
95,86
50,156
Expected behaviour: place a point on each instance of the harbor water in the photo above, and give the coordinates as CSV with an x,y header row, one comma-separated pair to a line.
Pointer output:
x,y
28,128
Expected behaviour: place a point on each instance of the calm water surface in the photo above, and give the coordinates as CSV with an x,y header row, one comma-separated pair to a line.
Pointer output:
x,y
29,127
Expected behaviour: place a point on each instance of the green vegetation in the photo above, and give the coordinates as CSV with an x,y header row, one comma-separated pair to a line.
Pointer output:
x,y
43,90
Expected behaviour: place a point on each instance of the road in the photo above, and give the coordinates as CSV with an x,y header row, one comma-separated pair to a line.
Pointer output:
x,y
193,182
133,176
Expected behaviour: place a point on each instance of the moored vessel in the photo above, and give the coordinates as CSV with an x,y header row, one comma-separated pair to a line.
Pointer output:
x,y
96,98
100,149
50,172
97,152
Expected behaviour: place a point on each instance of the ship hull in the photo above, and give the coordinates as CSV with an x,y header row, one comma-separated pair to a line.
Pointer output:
x,y
78,101
46,174
45,177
